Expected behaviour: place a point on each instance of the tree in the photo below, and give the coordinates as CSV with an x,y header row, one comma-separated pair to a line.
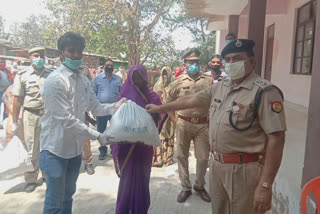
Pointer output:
x,y
30,34
3,34
112,27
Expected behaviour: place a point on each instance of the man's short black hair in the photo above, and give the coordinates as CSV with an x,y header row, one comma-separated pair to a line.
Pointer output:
x,y
71,39
231,35
216,56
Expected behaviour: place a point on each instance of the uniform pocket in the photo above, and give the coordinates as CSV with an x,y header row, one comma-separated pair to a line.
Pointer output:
x,y
233,114
32,90
246,113
186,92
215,105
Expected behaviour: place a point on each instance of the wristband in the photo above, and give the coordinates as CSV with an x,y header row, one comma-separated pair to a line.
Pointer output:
x,y
265,185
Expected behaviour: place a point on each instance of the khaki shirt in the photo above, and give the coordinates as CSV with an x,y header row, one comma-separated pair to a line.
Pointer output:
x,y
184,86
222,99
27,84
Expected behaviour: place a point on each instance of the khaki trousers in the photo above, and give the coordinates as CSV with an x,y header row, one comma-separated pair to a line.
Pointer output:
x,y
31,129
87,154
232,187
185,132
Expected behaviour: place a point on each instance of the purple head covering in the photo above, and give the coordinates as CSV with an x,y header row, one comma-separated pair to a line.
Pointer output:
x,y
133,192
131,92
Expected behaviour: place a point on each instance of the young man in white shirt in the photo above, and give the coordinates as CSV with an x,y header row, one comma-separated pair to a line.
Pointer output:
x,y
67,94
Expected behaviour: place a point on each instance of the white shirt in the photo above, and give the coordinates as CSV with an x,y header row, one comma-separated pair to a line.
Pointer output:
x,y
67,95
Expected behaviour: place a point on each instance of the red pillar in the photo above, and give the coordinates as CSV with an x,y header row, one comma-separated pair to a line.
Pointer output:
x,y
311,167
257,17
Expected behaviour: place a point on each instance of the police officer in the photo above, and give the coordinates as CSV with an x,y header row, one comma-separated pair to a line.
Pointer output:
x,y
26,92
192,124
247,130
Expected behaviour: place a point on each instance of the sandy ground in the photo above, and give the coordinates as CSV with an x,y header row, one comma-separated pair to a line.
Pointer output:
x,y
96,194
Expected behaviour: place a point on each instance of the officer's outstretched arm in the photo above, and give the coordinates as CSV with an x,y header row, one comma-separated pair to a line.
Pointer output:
x,y
185,102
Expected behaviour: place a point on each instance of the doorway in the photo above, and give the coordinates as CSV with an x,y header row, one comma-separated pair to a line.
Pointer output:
x,y
269,53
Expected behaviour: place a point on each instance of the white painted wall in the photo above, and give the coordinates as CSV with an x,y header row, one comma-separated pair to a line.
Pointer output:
x,y
296,88
286,188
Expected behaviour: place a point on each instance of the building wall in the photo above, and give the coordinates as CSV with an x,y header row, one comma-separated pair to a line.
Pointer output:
x,y
222,42
296,89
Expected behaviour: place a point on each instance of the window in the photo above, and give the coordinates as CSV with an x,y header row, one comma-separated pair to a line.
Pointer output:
x,y
304,41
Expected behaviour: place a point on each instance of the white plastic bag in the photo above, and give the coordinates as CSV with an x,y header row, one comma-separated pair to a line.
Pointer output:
x,y
14,158
132,123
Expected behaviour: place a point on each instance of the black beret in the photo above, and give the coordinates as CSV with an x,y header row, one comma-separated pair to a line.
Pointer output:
x,y
193,54
237,46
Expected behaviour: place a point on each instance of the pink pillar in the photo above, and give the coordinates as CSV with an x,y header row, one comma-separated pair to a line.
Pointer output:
x,y
257,17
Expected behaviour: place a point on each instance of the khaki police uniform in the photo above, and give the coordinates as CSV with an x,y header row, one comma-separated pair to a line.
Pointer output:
x,y
27,85
195,129
232,185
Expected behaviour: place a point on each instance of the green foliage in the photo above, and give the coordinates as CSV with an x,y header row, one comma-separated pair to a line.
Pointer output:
x,y
30,33
3,35
139,28
207,48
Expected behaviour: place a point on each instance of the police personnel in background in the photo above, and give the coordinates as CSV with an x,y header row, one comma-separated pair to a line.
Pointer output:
x,y
247,133
192,124
26,92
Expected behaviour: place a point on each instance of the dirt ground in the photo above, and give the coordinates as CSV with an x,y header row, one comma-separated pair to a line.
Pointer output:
x,y
96,194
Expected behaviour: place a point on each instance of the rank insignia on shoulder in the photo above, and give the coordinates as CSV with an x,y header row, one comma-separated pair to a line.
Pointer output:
x,y
276,106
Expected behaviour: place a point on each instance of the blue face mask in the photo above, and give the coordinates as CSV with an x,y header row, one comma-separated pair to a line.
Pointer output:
x,y
228,42
193,69
73,64
38,62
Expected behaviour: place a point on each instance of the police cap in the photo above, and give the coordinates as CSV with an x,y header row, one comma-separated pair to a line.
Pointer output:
x,y
237,46
193,54
37,49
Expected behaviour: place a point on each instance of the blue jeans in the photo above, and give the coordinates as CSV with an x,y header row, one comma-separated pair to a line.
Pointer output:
x,y
102,123
101,127
61,178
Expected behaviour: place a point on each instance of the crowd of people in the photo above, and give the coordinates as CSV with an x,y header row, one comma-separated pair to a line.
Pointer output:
x,y
234,119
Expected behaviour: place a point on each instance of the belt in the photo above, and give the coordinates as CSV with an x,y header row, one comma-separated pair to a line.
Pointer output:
x,y
238,158
194,119
34,111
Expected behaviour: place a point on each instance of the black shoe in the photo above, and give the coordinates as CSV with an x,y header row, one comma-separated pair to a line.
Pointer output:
x,y
89,169
30,187
183,196
203,194
103,152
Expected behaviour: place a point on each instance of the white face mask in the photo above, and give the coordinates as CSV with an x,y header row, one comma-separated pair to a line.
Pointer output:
x,y
235,70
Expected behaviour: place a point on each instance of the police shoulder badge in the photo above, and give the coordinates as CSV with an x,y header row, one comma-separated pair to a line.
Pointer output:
x,y
276,106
